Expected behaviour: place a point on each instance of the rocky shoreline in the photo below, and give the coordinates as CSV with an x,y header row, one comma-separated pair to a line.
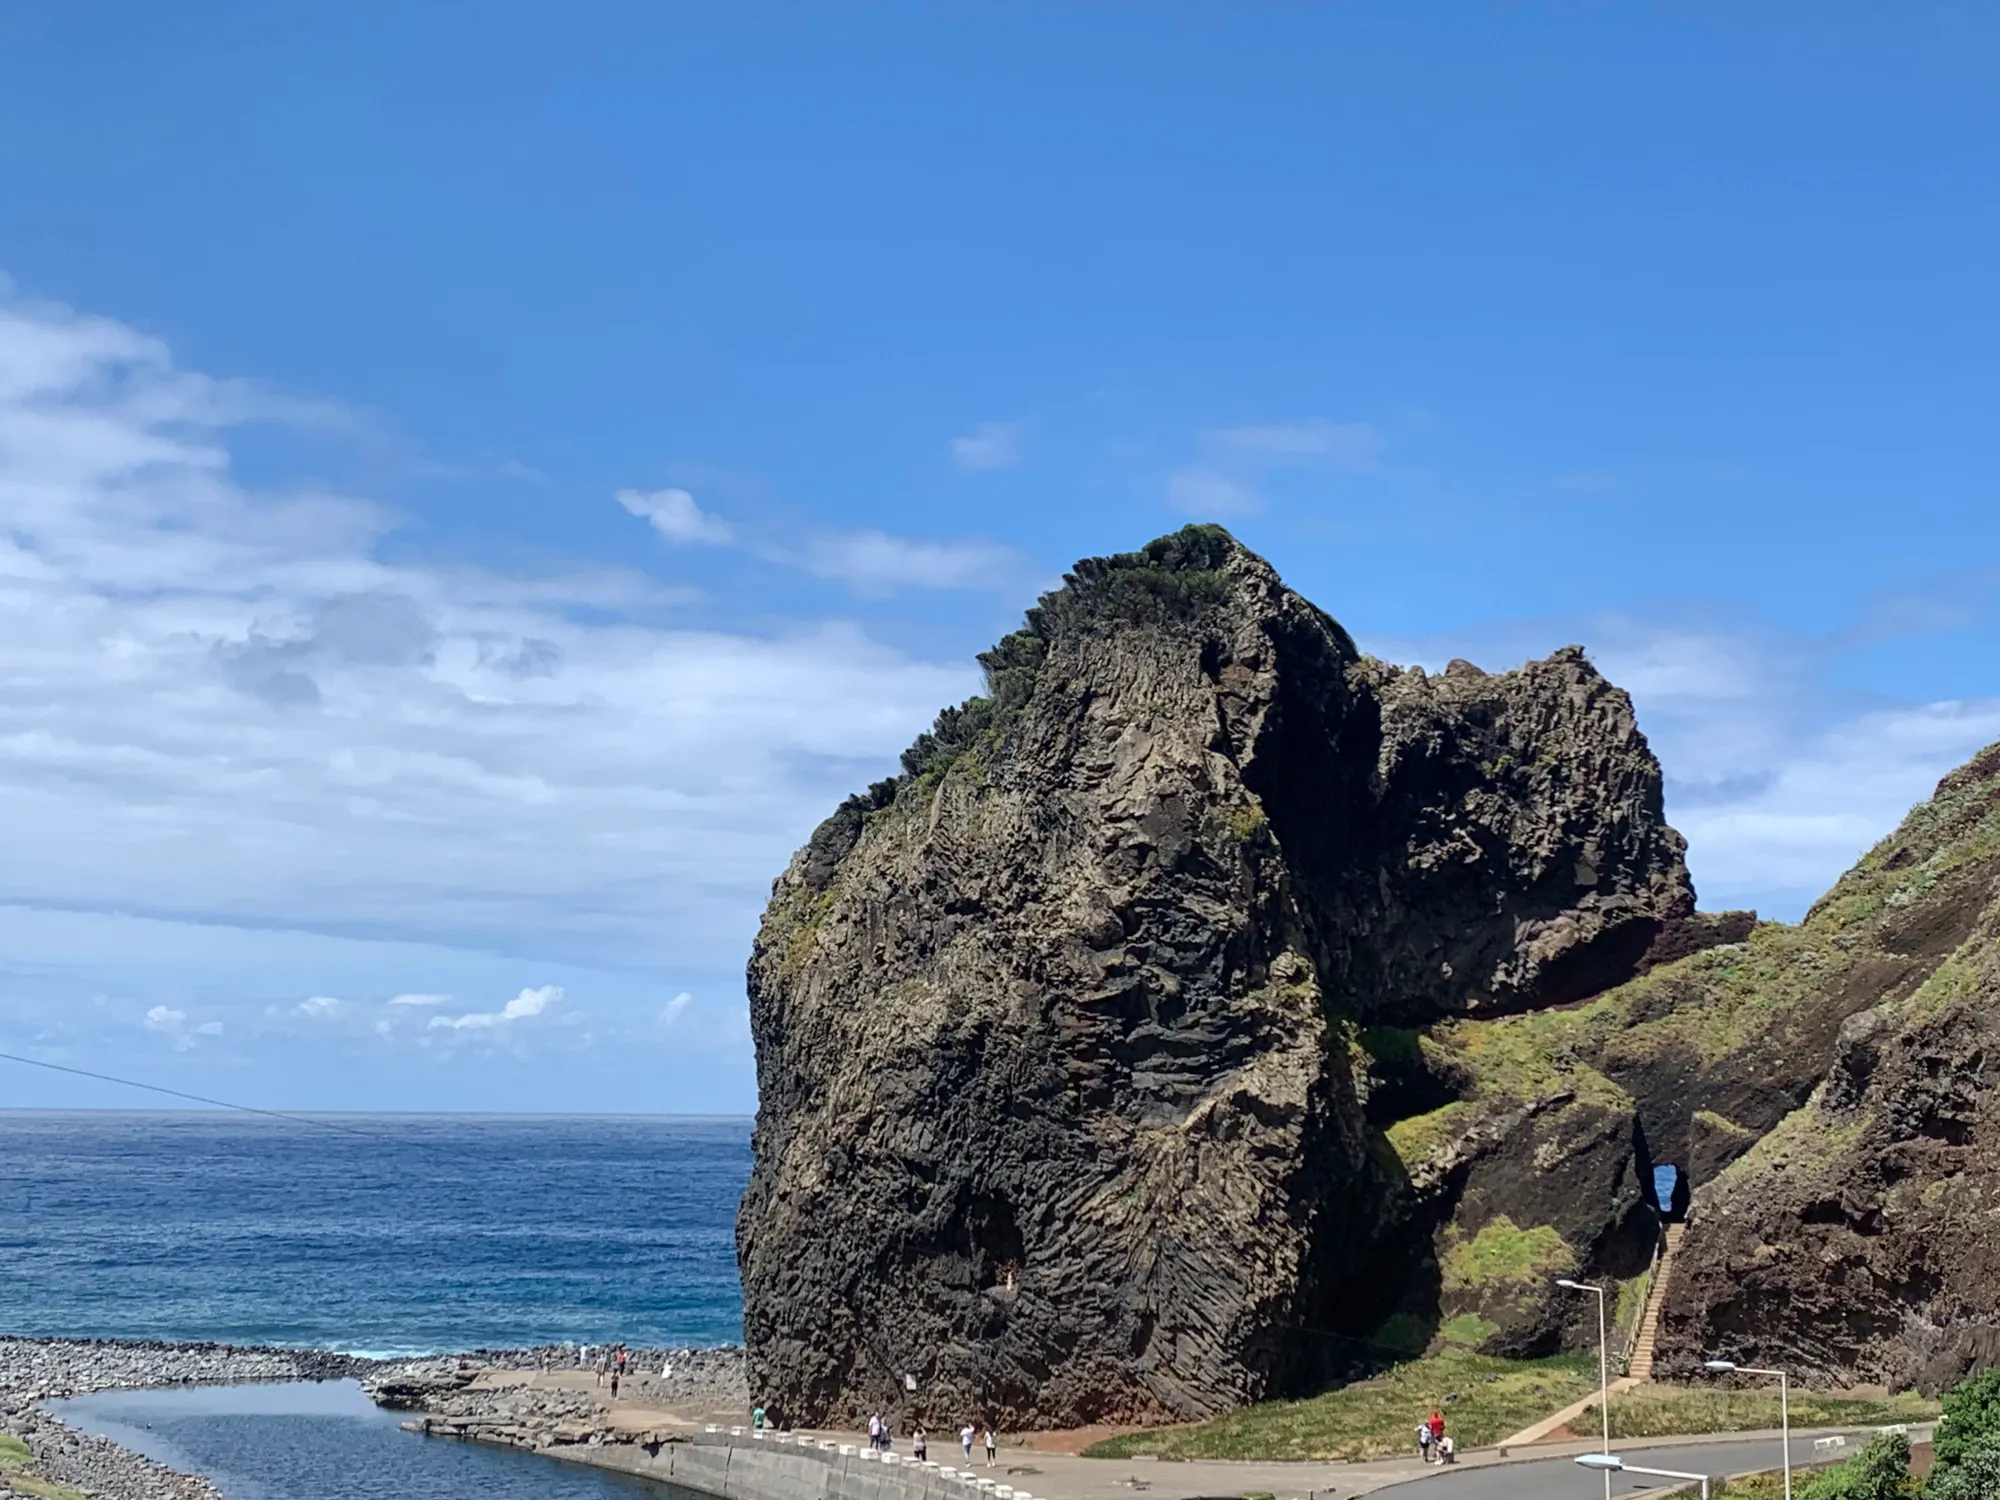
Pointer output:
x,y
35,1370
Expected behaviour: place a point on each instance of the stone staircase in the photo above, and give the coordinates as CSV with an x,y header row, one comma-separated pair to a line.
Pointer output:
x,y
1641,1365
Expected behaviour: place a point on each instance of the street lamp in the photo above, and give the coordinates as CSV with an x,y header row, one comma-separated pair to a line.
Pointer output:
x,y
1611,1464
1729,1366
1603,1370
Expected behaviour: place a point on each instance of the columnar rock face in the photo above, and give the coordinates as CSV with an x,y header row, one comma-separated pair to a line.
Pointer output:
x,y
1855,1241
1064,1098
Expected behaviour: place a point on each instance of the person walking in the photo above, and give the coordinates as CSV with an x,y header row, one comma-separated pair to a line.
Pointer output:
x,y
614,1385
920,1447
1436,1425
1424,1441
874,1432
992,1447
965,1436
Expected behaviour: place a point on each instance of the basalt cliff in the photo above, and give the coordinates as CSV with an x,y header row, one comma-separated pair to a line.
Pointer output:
x,y
1210,1011
1083,1044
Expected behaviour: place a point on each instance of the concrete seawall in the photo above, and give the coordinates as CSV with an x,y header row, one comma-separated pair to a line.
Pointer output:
x,y
784,1466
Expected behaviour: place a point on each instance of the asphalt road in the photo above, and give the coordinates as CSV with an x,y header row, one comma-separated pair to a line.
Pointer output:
x,y
1565,1479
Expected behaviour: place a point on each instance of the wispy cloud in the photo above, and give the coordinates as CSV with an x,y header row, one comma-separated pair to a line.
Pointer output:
x,y
877,562
1350,445
1205,493
530,1002
420,1000
872,563
319,1006
989,445
674,514
1229,478
675,1008
165,1018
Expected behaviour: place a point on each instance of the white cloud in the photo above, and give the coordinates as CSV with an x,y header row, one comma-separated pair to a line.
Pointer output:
x,y
1235,462
989,445
165,1018
318,1006
676,517
420,1000
675,1008
224,705
1352,445
530,1002
872,563
209,1028
1211,496
875,562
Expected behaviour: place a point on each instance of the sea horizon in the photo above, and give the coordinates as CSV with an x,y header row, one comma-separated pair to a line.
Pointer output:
x,y
452,1231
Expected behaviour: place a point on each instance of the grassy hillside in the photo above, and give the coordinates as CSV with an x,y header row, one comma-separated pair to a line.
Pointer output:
x,y
1483,1400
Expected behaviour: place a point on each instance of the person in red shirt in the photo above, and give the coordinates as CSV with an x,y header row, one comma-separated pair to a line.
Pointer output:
x,y
1437,1432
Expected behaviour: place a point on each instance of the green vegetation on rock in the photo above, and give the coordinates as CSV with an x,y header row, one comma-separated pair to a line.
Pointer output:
x,y
1504,1255
1483,1400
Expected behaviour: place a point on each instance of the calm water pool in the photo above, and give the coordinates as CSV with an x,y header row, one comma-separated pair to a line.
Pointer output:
x,y
328,1441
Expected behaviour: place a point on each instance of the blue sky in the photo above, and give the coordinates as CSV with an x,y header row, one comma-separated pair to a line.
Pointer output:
x,y
481,481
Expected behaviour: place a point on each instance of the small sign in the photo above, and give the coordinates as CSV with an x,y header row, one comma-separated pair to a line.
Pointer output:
x,y
909,1382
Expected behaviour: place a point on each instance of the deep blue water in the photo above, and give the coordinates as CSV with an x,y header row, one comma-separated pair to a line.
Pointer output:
x,y
329,1442
424,1233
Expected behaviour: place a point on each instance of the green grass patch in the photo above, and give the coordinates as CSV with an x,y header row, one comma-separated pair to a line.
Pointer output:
x,y
42,1489
13,1452
1418,1138
1483,1399
1503,1254
1769,1485
1468,1329
1667,1411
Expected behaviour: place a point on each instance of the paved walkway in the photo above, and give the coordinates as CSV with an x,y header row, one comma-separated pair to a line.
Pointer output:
x,y
1538,1471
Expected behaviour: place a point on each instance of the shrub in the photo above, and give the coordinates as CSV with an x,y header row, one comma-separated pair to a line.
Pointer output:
x,y
1877,1472
1974,1473
1971,1418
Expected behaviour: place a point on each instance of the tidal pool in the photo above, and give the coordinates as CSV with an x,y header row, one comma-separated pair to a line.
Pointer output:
x,y
327,1441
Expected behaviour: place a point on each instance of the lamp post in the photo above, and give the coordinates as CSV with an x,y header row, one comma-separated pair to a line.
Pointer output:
x,y
1611,1464
1729,1366
1603,1370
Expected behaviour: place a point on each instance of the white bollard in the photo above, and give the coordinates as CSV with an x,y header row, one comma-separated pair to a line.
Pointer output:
x,y
847,1450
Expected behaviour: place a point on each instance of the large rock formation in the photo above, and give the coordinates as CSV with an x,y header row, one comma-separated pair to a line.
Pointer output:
x,y
1855,1241
1074,1042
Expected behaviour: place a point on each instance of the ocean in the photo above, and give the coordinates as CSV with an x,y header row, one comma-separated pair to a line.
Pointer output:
x,y
390,1234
